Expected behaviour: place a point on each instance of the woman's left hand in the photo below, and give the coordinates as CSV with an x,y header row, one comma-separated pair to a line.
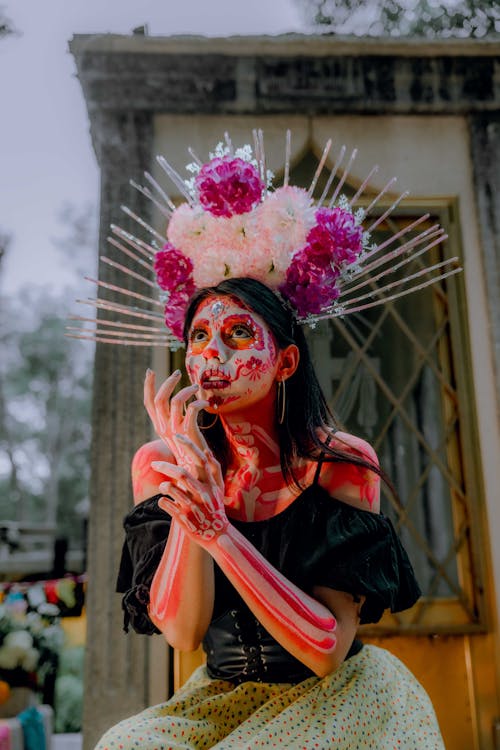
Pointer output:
x,y
198,505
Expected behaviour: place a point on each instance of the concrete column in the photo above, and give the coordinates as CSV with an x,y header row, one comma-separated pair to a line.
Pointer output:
x,y
116,678
485,145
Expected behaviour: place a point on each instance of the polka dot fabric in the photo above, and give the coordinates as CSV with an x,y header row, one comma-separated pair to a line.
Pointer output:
x,y
371,701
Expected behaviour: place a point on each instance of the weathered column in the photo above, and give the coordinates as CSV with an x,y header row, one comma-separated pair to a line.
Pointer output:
x,y
485,144
116,676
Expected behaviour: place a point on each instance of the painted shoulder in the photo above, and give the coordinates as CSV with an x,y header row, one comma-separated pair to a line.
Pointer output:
x,y
145,480
358,486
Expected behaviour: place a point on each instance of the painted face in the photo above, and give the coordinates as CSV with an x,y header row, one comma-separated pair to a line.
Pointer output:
x,y
231,354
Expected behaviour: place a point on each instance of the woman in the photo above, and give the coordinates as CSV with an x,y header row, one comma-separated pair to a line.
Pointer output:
x,y
257,532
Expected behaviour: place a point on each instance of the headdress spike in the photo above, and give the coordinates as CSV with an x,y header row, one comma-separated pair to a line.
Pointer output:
x,y
343,178
320,166
332,175
288,150
127,271
142,223
175,177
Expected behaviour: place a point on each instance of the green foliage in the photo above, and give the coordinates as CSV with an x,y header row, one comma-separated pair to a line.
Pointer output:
x,y
406,18
45,384
69,690
45,399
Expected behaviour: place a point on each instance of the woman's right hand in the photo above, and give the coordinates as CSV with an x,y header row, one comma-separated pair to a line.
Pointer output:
x,y
173,415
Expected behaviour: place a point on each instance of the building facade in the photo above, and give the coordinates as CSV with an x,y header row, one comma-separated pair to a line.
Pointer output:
x,y
420,378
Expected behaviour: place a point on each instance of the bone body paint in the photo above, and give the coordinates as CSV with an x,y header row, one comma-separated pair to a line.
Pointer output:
x,y
233,357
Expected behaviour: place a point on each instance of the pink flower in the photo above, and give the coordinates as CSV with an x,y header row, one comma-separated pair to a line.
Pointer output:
x,y
228,186
173,270
337,235
175,312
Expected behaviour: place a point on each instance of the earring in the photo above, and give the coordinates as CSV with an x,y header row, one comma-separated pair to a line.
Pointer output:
x,y
281,405
208,426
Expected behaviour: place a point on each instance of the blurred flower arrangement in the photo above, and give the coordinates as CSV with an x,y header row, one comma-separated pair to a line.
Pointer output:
x,y
30,643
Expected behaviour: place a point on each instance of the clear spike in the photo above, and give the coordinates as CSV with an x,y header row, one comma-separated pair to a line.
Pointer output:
x,y
340,312
398,282
343,178
130,254
195,157
394,237
121,334
425,236
389,211
393,268
365,182
175,177
131,310
142,223
147,250
164,210
229,143
117,324
320,166
168,201
288,152
262,156
127,271
125,342
335,167
122,290
379,195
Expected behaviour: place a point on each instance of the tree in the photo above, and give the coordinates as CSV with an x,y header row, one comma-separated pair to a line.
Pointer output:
x,y
45,395
405,18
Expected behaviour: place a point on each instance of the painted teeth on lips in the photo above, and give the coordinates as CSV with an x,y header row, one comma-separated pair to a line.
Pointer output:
x,y
215,379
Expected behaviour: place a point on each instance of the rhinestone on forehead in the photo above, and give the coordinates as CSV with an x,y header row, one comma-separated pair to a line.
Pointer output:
x,y
217,307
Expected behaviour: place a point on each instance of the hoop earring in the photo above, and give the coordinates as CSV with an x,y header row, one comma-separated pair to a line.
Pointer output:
x,y
281,405
208,426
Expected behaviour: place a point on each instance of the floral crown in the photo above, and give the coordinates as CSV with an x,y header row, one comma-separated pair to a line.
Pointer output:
x,y
316,255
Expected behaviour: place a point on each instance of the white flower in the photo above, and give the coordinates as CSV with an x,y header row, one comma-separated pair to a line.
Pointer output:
x,y
18,639
29,662
9,658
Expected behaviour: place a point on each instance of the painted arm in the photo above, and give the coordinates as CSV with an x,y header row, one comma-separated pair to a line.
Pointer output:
x,y
302,624
182,590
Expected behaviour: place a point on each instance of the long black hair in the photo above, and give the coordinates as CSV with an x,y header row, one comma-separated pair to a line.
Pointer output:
x,y
307,414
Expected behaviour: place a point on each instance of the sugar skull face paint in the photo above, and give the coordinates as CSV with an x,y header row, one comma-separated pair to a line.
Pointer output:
x,y
231,354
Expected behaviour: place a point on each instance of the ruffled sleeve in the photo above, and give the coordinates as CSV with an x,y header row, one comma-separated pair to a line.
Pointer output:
x,y
146,532
361,553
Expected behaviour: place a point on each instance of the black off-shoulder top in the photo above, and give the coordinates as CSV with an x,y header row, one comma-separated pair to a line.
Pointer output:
x,y
316,541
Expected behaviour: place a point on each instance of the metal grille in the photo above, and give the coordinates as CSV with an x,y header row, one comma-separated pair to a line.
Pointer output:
x,y
390,376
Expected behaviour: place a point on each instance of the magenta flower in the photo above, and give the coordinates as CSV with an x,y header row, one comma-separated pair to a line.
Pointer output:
x,y
311,282
228,186
173,274
337,235
173,270
175,312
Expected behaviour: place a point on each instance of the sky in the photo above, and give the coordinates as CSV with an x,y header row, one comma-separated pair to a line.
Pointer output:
x,y
46,155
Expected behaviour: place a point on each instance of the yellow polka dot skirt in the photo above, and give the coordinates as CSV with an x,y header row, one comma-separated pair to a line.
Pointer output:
x,y
371,701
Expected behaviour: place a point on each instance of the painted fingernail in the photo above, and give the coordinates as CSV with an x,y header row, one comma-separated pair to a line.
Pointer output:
x,y
156,465
176,373
148,372
165,487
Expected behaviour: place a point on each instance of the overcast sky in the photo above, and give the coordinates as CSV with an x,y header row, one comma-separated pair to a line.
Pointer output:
x,y
45,152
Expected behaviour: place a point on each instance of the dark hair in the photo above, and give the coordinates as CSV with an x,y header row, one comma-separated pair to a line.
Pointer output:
x,y
307,411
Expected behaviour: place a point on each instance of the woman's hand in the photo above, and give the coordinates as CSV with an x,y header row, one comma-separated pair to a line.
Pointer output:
x,y
173,415
197,504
